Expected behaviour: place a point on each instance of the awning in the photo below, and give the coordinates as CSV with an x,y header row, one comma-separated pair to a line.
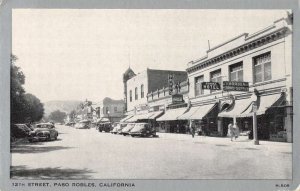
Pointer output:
x,y
126,118
237,109
155,114
265,102
172,114
138,117
103,119
198,112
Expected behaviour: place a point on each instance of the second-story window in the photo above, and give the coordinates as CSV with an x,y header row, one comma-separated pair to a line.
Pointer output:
x,y
142,91
107,109
262,68
215,76
115,109
198,87
130,95
236,72
136,93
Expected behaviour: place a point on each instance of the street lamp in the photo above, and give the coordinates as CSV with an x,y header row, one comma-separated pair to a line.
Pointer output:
x,y
256,142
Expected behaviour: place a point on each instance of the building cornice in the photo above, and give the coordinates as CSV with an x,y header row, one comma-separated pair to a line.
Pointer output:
x,y
271,37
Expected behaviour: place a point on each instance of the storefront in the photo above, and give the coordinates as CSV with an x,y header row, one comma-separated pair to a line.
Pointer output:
x,y
205,117
270,116
170,122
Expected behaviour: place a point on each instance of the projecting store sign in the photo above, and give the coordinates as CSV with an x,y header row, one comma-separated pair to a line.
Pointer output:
x,y
235,86
211,85
177,98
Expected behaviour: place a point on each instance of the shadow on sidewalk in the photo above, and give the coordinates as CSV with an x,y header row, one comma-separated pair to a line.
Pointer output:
x,y
21,172
29,149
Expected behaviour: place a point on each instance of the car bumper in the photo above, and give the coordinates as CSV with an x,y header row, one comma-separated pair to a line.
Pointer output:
x,y
37,138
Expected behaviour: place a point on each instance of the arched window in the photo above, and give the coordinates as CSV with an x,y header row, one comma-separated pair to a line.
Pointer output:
x,y
142,91
130,95
136,93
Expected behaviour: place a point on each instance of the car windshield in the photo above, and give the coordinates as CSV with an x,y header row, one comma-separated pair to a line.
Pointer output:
x,y
138,127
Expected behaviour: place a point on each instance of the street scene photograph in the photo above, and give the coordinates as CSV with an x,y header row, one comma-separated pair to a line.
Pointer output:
x,y
151,94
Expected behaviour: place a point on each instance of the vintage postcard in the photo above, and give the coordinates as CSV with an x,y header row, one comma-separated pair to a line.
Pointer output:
x,y
124,98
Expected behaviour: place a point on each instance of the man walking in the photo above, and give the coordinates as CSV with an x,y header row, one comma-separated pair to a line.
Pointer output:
x,y
192,128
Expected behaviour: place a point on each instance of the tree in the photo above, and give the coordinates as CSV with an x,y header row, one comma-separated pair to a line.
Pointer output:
x,y
34,108
57,116
24,107
17,102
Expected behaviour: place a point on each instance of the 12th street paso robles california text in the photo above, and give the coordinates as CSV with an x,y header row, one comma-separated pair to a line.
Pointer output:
x,y
73,184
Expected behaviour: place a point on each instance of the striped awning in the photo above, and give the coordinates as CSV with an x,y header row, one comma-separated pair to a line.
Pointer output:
x,y
264,103
237,109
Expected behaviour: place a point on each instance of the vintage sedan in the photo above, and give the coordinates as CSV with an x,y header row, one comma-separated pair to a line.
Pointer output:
x,y
43,132
126,130
143,130
20,130
84,124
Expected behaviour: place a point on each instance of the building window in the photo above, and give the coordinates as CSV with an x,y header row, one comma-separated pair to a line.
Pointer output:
x,y
107,109
198,87
236,72
130,95
142,91
136,93
115,109
215,76
262,68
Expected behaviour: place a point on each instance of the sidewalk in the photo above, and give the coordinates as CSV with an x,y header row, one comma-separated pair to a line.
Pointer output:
x,y
240,141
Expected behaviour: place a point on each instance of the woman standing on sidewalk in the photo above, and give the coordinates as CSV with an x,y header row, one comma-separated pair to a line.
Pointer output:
x,y
236,131
192,128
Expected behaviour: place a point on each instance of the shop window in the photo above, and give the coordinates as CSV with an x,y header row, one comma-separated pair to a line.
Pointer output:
x,y
142,91
107,110
198,87
236,72
136,93
215,76
262,68
130,95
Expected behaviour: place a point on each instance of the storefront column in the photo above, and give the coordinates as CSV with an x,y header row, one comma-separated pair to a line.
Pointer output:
x,y
220,126
234,120
288,124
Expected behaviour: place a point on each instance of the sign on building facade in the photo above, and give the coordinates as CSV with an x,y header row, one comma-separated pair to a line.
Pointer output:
x,y
235,86
211,85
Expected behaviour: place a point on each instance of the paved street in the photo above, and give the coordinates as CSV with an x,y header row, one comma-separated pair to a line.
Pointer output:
x,y
89,154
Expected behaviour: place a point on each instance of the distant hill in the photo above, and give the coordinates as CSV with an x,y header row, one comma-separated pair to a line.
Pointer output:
x,y
65,106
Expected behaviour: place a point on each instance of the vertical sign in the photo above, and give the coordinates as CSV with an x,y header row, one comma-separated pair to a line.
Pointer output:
x,y
171,83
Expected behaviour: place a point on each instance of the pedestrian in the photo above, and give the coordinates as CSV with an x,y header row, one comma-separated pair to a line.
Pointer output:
x,y
236,130
231,131
192,128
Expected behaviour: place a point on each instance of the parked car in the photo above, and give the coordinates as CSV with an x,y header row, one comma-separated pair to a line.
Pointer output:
x,y
71,124
106,127
20,130
43,132
143,130
126,130
118,128
84,124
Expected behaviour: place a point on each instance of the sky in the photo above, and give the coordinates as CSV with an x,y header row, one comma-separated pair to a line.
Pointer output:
x,y
78,54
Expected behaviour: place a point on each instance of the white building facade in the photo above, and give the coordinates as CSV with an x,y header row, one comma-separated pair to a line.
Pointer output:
x,y
264,60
